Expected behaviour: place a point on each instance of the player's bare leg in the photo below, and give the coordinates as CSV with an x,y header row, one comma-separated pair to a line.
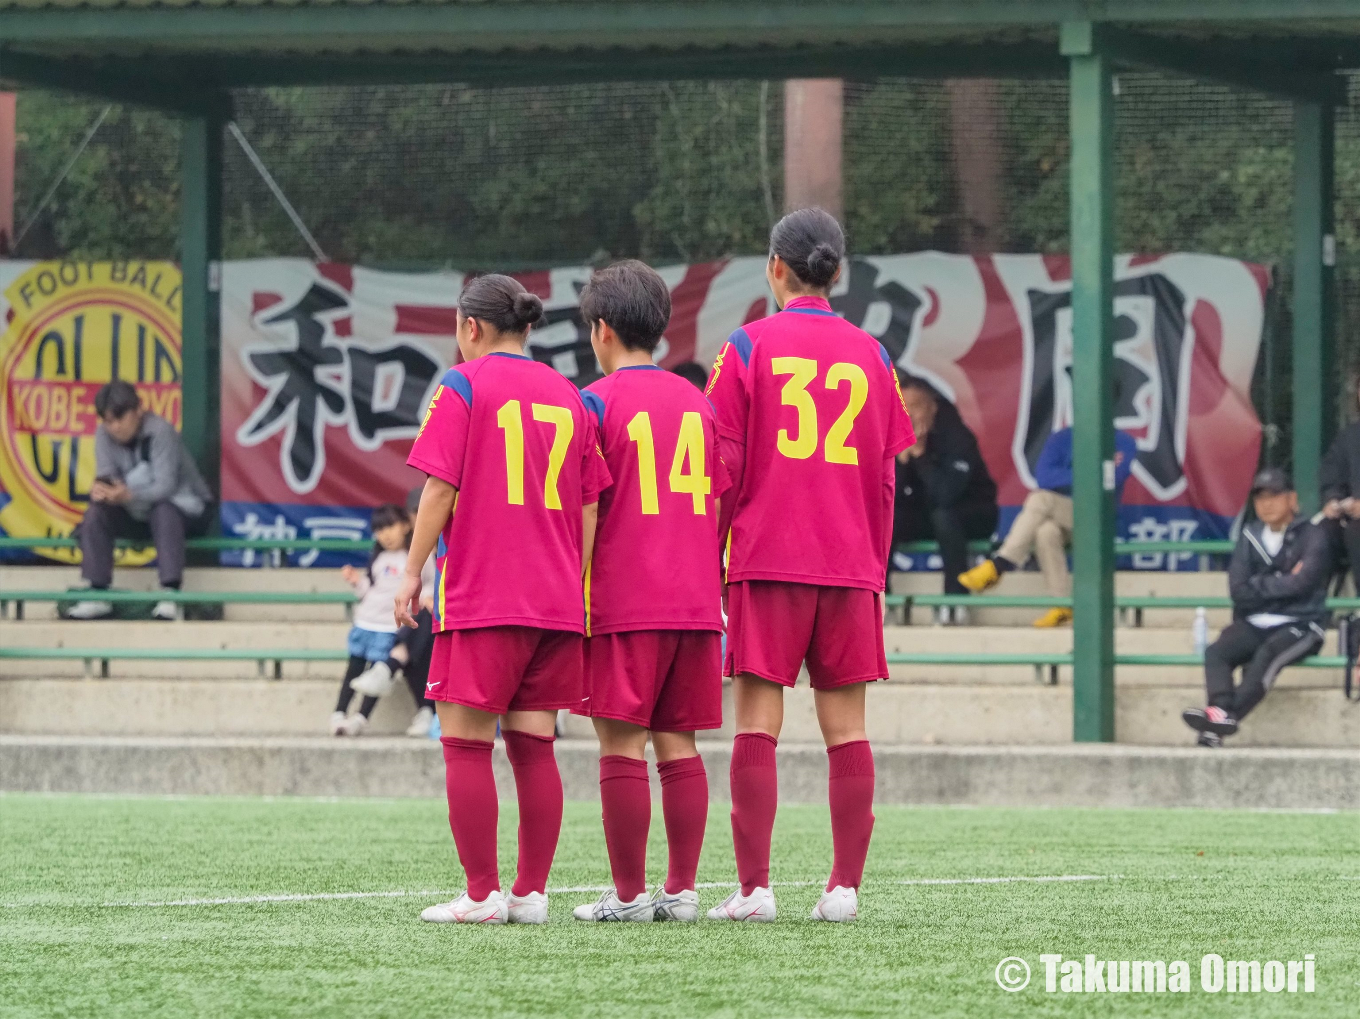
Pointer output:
x,y
840,713
626,807
466,737
684,803
755,796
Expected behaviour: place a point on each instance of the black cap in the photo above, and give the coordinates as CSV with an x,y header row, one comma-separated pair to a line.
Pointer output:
x,y
1271,479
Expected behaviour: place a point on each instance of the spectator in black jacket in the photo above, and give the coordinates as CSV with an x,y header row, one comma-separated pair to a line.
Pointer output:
x,y
1278,582
1339,478
943,489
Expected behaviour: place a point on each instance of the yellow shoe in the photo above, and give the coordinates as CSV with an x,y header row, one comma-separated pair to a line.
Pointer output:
x,y
980,577
1054,618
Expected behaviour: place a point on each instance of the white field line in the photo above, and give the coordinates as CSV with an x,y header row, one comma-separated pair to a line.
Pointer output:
x,y
245,900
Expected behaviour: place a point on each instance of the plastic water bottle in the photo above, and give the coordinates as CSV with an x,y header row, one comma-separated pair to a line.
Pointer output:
x,y
1200,631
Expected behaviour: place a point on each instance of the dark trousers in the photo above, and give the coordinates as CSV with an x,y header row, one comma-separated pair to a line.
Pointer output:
x,y
419,644
1346,539
951,527
1261,653
166,528
356,666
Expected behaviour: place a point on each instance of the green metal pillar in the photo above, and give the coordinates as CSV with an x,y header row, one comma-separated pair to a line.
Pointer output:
x,y
1092,229
200,262
1314,261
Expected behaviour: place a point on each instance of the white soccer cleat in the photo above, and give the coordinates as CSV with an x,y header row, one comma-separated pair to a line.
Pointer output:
x,y
758,907
375,681
682,905
609,908
90,609
531,907
492,909
355,725
840,905
420,725
337,723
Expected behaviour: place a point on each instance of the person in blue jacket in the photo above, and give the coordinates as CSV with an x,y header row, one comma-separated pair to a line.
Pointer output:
x,y
1044,525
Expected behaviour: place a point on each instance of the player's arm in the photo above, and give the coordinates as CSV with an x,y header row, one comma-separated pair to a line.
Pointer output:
x,y
590,518
436,506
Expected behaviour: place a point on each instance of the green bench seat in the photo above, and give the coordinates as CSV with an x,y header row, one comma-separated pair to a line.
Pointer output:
x,y
200,654
18,598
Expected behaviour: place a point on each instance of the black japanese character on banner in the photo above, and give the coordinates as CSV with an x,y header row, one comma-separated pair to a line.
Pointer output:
x,y
299,400
1150,385
399,417
567,351
863,291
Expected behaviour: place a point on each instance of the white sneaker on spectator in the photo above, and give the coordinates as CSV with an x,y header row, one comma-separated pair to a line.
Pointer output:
x,y
492,909
961,615
90,609
337,723
165,610
355,725
840,905
531,907
944,616
375,681
420,725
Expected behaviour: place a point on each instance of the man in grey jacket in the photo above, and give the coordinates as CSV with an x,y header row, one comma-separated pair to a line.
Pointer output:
x,y
1278,583
146,486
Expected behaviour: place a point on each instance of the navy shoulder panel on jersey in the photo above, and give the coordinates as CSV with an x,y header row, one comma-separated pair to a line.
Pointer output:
x,y
459,383
594,403
741,343
887,359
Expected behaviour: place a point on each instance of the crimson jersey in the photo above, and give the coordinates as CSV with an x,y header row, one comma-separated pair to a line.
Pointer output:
x,y
656,564
811,418
514,438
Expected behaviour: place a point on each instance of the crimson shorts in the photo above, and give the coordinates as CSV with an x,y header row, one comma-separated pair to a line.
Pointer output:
x,y
773,627
506,668
664,680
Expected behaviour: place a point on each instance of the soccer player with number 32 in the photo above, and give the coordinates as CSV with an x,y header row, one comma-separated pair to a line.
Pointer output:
x,y
811,420
508,442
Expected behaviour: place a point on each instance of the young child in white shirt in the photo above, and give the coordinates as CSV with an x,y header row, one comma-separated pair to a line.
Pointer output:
x,y
375,629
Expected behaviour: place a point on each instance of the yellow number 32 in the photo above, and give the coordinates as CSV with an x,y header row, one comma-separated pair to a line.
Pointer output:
x,y
802,371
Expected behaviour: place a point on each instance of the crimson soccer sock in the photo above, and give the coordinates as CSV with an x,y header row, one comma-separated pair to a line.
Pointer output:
x,y
755,797
538,786
851,789
626,805
684,803
473,811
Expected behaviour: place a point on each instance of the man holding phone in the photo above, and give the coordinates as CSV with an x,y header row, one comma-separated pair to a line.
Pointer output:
x,y
146,487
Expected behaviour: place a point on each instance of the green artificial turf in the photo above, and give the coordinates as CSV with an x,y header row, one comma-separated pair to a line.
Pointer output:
x,y
1177,884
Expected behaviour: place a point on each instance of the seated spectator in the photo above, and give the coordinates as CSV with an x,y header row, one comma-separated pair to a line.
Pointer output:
x,y
1278,583
1339,478
1044,525
944,492
692,372
146,487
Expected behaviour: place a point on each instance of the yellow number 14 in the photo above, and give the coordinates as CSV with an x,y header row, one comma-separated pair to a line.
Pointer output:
x,y
689,449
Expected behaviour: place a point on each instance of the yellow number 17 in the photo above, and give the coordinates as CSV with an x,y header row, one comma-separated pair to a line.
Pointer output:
x,y
801,445
511,420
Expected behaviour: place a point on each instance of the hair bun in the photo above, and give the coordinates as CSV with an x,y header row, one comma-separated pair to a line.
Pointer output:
x,y
823,263
528,308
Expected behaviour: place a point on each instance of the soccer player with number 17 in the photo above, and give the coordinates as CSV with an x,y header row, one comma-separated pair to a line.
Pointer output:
x,y
811,420
514,476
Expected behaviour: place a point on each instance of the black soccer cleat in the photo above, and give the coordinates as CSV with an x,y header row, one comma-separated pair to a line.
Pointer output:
x,y
1210,719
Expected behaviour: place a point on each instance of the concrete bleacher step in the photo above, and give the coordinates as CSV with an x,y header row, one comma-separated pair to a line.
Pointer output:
x,y
899,713
1080,775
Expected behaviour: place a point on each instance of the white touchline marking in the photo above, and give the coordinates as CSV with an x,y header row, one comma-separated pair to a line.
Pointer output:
x,y
246,900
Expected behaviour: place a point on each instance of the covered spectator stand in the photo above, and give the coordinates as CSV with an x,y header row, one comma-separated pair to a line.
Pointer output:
x,y
187,57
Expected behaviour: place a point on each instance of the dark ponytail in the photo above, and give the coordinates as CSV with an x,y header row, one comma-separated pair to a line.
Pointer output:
x,y
501,302
811,243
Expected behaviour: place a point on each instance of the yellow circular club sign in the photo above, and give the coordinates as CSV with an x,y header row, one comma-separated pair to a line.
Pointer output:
x,y
72,327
